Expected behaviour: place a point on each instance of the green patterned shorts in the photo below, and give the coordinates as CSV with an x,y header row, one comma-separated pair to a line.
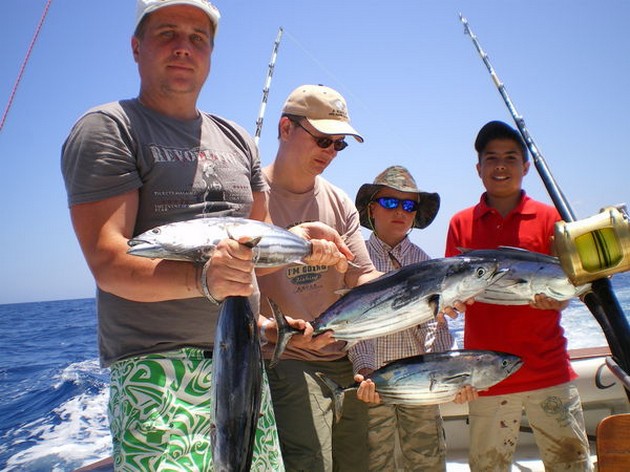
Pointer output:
x,y
160,413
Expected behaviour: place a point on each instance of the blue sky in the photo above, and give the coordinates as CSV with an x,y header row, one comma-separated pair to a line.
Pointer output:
x,y
416,88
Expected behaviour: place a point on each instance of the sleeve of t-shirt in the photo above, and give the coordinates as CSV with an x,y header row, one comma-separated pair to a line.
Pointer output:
x,y
97,159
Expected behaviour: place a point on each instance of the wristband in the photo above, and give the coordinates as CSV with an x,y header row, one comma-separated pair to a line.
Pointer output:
x,y
203,284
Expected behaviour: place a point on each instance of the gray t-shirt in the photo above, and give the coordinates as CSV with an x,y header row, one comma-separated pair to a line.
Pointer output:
x,y
182,170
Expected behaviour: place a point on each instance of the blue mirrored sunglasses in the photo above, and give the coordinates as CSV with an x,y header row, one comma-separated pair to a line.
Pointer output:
x,y
391,203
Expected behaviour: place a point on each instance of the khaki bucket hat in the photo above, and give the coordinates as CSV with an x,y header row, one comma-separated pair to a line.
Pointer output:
x,y
398,178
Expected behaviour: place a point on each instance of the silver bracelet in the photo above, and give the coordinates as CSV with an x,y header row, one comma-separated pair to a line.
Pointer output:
x,y
203,284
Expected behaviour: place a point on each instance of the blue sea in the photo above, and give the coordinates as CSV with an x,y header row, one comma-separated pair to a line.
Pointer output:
x,y
53,397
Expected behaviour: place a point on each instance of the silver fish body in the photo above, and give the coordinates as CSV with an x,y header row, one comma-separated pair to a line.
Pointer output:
x,y
527,273
434,378
397,300
236,386
406,297
196,239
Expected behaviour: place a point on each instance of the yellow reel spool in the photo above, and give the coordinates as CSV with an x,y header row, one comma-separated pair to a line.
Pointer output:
x,y
594,247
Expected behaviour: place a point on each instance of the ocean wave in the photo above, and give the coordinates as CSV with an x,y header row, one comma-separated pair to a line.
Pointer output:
x,y
68,436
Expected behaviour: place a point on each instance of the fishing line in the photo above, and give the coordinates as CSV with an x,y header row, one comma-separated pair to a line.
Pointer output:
x,y
23,66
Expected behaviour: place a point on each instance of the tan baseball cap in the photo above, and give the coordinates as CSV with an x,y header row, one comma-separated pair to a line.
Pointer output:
x,y
144,7
323,107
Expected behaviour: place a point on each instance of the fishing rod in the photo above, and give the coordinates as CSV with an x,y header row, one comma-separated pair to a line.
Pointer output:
x,y
23,66
601,300
263,103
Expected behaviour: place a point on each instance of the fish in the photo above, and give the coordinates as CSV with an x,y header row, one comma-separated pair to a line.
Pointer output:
x,y
236,388
432,378
528,273
196,239
397,300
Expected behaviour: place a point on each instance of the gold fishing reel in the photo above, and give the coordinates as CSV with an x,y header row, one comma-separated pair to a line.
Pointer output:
x,y
594,247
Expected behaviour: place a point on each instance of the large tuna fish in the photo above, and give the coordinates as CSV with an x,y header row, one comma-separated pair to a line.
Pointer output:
x,y
196,239
399,299
527,273
433,378
236,386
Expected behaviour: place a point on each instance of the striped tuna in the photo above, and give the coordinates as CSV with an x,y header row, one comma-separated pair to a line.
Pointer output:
x,y
195,240
434,378
527,273
398,300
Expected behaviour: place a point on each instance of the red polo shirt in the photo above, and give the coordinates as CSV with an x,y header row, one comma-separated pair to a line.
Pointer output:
x,y
534,335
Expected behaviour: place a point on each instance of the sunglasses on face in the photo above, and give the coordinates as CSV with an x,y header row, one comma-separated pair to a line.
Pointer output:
x,y
324,142
391,203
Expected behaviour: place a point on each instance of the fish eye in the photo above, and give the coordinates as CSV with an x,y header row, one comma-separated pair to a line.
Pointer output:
x,y
481,272
156,231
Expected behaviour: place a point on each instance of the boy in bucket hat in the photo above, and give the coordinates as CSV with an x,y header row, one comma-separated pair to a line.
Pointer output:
x,y
543,387
391,207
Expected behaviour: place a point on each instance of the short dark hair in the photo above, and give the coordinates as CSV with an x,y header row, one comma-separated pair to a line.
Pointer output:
x,y
499,130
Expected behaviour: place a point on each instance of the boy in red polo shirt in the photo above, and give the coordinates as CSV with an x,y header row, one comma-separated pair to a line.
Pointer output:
x,y
506,216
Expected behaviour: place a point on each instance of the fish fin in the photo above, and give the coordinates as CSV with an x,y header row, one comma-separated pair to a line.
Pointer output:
x,y
458,379
338,394
341,292
435,302
285,332
252,242
463,250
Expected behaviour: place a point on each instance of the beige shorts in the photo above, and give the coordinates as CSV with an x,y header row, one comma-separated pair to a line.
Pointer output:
x,y
555,416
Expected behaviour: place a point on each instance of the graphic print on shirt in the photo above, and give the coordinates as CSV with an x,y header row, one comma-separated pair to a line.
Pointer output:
x,y
209,183
305,277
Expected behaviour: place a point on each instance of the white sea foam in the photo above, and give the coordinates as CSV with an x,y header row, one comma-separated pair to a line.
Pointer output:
x,y
81,436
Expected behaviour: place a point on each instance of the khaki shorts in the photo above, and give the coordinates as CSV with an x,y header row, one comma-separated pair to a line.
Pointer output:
x,y
555,416
406,437
160,413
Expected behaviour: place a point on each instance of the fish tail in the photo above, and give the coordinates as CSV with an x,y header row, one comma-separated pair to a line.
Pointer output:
x,y
337,392
285,332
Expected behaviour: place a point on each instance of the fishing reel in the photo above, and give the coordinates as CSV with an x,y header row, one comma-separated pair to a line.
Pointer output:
x,y
594,247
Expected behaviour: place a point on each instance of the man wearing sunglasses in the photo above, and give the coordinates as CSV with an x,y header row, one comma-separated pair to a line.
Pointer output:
x,y
391,207
312,129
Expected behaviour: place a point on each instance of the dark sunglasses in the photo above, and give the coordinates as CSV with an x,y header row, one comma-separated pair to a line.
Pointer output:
x,y
391,203
323,142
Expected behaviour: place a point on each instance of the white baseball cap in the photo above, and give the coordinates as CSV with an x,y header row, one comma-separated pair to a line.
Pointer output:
x,y
149,6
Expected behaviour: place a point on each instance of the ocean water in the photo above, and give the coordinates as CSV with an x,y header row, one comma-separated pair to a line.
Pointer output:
x,y
53,396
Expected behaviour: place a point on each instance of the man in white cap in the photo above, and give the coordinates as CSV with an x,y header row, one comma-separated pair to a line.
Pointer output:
x,y
312,130
132,165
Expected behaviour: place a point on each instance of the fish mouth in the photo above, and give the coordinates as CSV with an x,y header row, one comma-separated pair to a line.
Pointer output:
x,y
138,247
136,242
516,365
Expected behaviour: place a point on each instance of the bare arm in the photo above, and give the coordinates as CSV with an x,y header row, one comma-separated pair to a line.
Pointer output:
x,y
103,229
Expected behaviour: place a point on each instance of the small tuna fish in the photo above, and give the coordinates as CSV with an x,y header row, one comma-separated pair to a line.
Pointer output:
x,y
433,378
195,240
398,300
236,386
528,273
